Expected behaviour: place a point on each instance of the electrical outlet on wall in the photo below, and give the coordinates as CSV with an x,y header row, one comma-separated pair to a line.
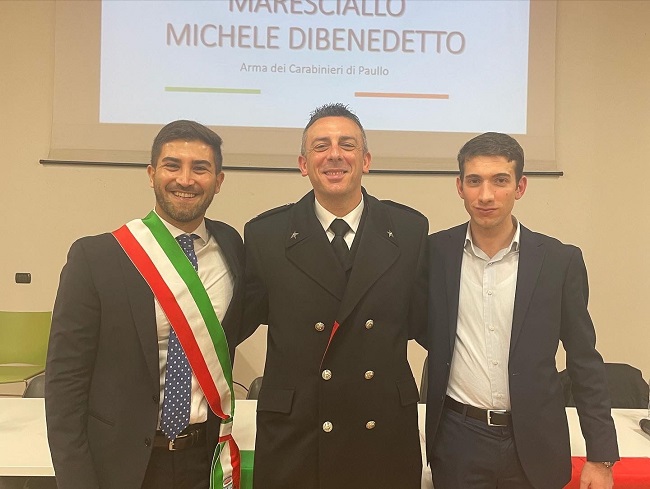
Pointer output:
x,y
23,278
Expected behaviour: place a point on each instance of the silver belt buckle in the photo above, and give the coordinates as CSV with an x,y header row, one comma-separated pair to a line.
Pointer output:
x,y
171,447
490,412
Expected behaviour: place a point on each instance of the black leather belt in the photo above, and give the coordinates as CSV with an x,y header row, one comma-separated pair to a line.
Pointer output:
x,y
192,436
493,417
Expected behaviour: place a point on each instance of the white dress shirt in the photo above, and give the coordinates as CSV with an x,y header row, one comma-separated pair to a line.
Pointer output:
x,y
353,218
479,366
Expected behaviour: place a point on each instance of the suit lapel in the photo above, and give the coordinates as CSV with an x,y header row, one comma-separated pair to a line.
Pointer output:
x,y
455,246
378,250
143,313
531,257
308,248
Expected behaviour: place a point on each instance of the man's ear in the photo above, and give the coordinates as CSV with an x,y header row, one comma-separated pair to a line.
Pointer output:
x,y
521,187
151,171
302,164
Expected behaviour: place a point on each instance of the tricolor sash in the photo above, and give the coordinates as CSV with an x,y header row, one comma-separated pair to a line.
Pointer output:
x,y
176,285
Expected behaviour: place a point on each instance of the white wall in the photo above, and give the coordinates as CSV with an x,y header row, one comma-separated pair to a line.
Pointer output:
x,y
600,204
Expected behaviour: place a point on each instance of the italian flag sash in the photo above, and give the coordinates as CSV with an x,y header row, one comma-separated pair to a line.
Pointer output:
x,y
183,298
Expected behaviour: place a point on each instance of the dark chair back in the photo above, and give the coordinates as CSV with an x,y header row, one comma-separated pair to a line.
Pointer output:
x,y
627,389
254,389
35,387
424,381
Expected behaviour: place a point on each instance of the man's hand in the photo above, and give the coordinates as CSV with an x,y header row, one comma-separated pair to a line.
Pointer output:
x,y
596,476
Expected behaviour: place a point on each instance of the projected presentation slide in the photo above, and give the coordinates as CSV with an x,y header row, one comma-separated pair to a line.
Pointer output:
x,y
405,65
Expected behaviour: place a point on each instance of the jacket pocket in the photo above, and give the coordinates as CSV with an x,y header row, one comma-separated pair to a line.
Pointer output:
x,y
101,419
408,392
275,400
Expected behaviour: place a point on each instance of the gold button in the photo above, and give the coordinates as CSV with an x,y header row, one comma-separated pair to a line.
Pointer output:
x,y
327,427
369,374
319,326
326,374
369,324
370,425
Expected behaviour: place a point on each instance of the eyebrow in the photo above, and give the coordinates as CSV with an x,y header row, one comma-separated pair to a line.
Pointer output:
x,y
194,162
327,139
497,175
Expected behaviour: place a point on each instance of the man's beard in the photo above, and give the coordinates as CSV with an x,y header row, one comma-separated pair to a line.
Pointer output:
x,y
183,214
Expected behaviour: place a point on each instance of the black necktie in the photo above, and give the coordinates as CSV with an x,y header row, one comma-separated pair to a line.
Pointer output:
x,y
340,228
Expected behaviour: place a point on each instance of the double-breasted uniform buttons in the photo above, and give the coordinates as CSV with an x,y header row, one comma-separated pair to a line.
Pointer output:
x,y
147,442
319,326
369,374
370,425
369,324
326,374
327,427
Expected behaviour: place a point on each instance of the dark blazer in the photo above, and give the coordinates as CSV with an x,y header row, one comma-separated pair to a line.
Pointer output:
x,y
550,306
356,378
102,373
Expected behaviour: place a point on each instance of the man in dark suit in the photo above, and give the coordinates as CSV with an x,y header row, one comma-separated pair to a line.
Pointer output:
x,y
338,405
111,333
501,298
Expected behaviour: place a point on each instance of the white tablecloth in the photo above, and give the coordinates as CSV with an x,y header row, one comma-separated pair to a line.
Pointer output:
x,y
24,449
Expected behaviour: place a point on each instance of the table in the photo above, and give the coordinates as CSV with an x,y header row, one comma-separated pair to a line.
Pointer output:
x,y
633,470
24,450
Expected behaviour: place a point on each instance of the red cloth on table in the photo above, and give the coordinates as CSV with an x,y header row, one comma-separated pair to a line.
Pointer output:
x,y
629,473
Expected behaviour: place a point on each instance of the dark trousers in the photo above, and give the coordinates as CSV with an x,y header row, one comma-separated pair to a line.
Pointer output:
x,y
180,469
469,454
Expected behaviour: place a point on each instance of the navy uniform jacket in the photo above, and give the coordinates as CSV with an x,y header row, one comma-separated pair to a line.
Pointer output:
x,y
344,415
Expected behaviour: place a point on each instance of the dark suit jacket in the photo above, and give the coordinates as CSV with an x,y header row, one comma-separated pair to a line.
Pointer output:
x,y
550,306
102,372
296,285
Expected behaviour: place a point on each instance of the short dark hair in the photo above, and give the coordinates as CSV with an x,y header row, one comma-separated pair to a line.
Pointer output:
x,y
492,144
332,110
187,131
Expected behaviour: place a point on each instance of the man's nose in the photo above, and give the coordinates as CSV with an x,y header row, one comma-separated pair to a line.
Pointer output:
x,y
486,193
185,177
334,152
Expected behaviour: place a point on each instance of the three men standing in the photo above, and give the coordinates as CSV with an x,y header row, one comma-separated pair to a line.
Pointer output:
x,y
144,330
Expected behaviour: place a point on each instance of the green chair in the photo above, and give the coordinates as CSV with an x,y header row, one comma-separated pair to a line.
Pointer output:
x,y
23,345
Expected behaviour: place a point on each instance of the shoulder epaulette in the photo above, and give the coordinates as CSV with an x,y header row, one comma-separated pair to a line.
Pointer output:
x,y
402,206
270,212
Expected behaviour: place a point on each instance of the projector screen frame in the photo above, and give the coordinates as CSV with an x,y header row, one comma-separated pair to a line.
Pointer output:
x,y
77,135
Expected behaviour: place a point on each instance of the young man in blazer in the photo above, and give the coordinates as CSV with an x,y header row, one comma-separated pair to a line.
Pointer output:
x,y
501,298
107,359
338,405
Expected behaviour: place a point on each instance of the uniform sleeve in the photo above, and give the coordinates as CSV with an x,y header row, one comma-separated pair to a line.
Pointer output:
x,y
418,309
70,359
255,295
585,365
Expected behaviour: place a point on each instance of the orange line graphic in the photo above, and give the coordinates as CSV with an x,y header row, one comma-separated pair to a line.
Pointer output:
x,y
402,95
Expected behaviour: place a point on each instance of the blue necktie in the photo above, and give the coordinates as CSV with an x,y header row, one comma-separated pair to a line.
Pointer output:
x,y
178,379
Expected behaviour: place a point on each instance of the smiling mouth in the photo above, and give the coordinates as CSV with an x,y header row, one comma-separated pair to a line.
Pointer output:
x,y
184,195
335,173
